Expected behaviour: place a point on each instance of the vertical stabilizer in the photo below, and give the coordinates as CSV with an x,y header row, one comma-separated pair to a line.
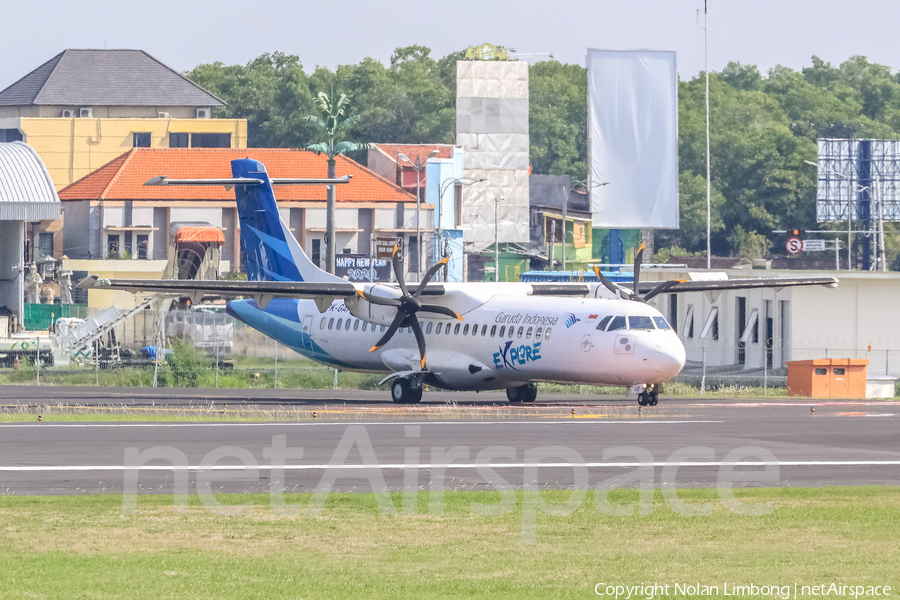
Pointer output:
x,y
270,250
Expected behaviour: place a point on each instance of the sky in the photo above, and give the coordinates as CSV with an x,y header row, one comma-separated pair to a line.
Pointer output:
x,y
185,33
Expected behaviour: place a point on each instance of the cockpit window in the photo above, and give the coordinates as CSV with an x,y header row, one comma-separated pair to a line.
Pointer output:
x,y
640,323
602,324
617,323
661,323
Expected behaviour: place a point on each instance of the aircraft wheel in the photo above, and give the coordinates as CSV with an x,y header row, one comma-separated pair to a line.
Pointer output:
x,y
643,399
529,392
654,399
514,395
400,392
415,395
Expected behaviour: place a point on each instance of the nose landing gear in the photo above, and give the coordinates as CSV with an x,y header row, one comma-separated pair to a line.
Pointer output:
x,y
649,396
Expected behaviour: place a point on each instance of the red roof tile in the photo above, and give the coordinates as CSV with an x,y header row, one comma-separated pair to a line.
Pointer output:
x,y
124,177
415,152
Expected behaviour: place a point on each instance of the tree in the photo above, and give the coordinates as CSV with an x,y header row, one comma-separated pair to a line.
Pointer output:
x,y
333,124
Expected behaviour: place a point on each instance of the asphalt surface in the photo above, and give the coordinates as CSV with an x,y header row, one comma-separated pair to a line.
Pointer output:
x,y
359,442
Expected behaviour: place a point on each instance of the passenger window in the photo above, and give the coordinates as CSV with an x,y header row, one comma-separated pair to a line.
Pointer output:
x,y
640,323
493,330
616,324
439,327
347,326
528,334
466,329
661,323
356,325
382,328
521,329
502,330
322,323
483,330
330,323
537,334
428,329
547,335
601,326
339,324
365,325
474,330
456,329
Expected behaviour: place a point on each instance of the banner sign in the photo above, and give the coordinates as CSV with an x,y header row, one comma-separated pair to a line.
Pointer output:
x,y
356,268
633,138
384,247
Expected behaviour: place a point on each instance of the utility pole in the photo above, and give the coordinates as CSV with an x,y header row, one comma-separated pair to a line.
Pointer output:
x,y
496,240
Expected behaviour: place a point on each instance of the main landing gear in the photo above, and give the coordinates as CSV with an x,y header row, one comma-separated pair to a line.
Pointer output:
x,y
406,391
523,393
650,396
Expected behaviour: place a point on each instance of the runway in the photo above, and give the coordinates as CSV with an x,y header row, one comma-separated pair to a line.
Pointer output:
x,y
368,444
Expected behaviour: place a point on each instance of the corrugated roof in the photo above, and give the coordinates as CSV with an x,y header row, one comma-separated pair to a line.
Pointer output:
x,y
26,190
415,152
106,78
124,177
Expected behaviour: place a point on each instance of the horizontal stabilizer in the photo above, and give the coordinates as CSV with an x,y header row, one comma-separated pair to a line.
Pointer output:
x,y
230,182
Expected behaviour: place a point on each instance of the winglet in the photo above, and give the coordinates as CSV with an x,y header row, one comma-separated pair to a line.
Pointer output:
x,y
458,316
374,348
423,362
643,245
444,260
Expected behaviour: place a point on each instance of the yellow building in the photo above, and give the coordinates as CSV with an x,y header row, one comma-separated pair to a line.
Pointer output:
x,y
83,108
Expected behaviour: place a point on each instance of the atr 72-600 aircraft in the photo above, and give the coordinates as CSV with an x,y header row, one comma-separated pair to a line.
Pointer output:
x,y
456,336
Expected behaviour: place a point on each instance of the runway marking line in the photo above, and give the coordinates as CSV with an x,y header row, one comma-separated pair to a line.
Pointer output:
x,y
511,465
346,423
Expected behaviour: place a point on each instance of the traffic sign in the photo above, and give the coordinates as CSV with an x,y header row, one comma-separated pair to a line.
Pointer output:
x,y
384,247
814,245
794,245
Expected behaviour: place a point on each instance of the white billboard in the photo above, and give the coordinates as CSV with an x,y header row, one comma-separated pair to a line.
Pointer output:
x,y
633,138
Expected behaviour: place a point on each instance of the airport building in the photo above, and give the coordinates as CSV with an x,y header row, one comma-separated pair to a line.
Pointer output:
x,y
756,330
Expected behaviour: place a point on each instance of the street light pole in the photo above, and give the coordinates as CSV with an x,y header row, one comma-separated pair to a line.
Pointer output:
x,y
440,238
565,211
418,166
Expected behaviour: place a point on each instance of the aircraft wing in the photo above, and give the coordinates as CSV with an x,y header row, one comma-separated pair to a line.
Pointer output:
x,y
738,284
263,291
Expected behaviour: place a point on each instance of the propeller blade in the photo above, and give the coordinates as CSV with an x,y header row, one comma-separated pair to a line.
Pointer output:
x,y
420,338
397,263
378,299
441,310
638,258
429,274
607,283
662,287
392,329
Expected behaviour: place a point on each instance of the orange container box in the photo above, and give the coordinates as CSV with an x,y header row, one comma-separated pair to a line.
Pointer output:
x,y
827,378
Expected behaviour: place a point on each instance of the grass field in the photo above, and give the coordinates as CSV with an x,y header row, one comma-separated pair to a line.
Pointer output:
x,y
85,547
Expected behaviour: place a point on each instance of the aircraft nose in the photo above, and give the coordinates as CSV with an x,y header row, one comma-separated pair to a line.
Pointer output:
x,y
668,358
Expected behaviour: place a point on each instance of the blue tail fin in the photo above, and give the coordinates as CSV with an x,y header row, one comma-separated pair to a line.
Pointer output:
x,y
271,251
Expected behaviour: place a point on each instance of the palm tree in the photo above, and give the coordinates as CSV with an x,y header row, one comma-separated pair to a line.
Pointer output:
x,y
331,124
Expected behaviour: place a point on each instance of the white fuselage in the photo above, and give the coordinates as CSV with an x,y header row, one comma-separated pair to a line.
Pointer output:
x,y
504,340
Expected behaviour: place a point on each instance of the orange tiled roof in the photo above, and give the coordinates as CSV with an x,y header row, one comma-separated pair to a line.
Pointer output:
x,y
124,177
415,152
